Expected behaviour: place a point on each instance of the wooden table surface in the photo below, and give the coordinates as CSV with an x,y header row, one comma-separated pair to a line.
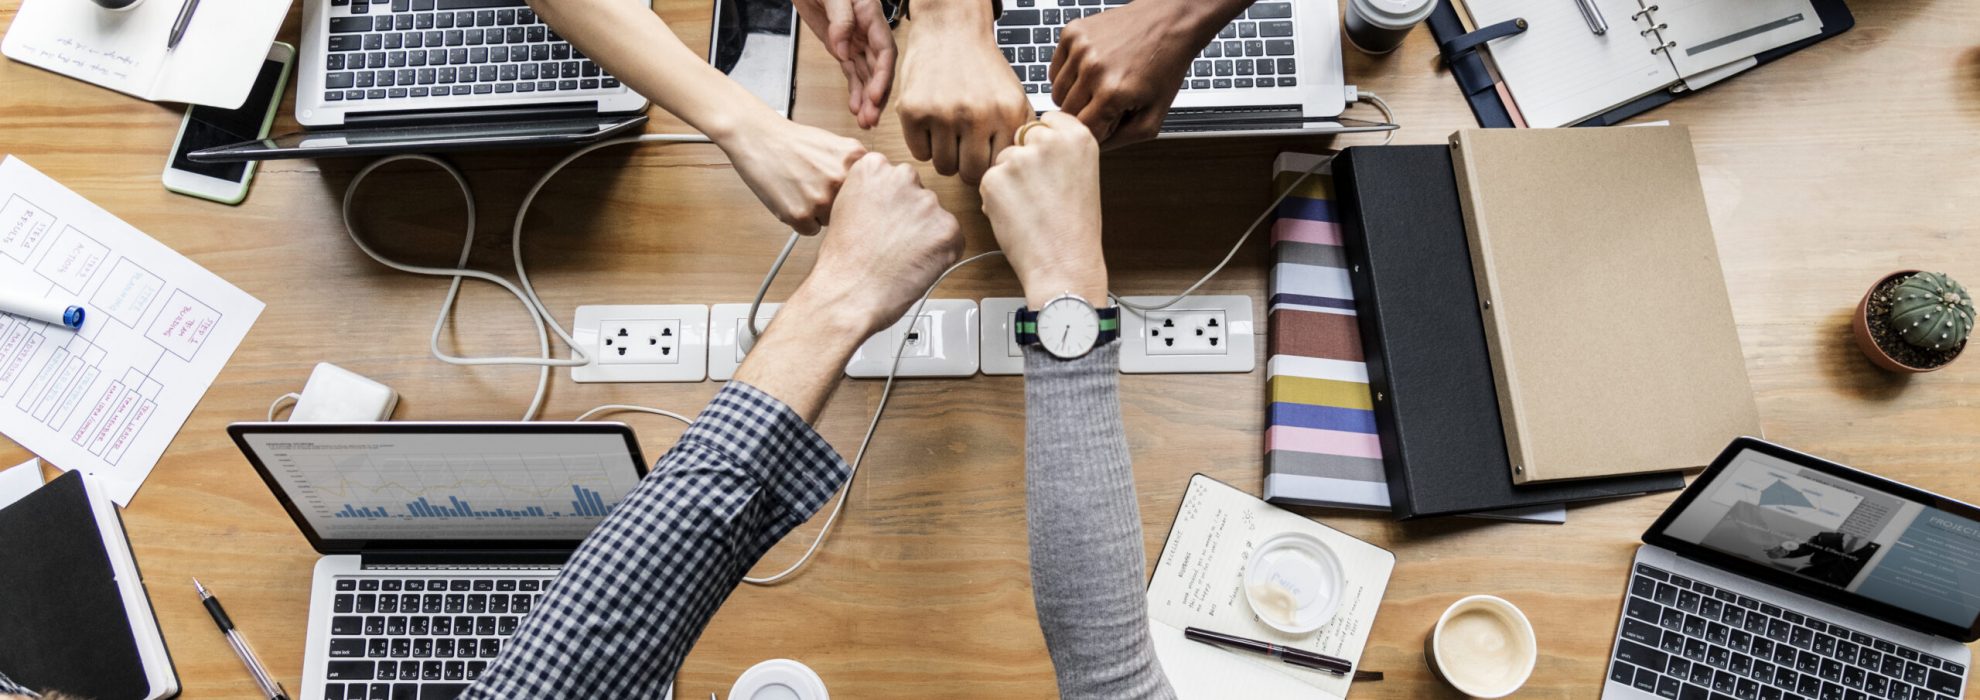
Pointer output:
x,y
1822,172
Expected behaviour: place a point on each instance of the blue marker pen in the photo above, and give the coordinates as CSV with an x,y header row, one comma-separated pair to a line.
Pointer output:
x,y
44,310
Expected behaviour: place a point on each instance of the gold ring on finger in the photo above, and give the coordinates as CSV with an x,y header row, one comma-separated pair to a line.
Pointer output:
x,y
1019,138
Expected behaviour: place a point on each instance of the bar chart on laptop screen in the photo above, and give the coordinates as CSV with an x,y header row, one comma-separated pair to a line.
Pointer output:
x,y
450,487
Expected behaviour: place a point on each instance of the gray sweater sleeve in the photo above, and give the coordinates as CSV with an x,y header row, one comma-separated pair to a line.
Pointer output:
x,y
1086,549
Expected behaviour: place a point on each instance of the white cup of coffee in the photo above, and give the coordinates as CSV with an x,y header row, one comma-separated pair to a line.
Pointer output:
x,y
117,4
1483,646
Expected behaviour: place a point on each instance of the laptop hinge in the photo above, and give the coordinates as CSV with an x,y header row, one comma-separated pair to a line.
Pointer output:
x,y
456,559
1216,114
453,116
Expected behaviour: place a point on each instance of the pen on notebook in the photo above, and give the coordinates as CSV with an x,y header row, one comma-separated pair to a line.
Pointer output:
x,y
270,688
47,311
1296,657
1593,15
179,25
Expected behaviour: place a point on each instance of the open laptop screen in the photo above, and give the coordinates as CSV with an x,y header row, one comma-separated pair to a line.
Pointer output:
x,y
1887,544
424,483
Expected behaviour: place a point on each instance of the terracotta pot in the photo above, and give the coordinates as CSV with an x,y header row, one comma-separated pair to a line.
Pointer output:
x,y
1868,344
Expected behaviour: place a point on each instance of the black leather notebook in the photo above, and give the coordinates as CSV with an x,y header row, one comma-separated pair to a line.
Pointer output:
x,y
63,621
1436,407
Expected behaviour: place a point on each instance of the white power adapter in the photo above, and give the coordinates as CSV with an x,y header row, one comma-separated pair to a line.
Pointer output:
x,y
338,395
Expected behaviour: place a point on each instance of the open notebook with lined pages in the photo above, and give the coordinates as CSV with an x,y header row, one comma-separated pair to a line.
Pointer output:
x,y
1560,72
1321,447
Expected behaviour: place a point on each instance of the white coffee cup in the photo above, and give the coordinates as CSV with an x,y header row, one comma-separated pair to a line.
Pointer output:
x,y
1483,646
117,4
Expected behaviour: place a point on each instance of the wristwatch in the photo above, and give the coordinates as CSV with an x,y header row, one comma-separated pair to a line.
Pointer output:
x,y
1068,327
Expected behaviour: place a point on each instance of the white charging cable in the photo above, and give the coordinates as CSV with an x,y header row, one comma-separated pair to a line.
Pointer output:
x,y
522,289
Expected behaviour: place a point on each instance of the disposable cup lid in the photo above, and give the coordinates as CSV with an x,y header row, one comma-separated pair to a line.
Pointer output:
x,y
1294,583
1394,13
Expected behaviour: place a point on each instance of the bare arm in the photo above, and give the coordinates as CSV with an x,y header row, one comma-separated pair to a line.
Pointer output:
x,y
795,170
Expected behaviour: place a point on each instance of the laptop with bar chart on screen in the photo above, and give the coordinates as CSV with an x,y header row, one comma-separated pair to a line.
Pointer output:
x,y
437,538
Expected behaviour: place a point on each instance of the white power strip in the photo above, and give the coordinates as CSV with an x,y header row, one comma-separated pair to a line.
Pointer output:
x,y
952,338
633,343
941,342
1199,334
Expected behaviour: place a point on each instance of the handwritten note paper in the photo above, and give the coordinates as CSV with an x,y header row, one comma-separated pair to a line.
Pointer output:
x,y
1199,582
124,50
106,399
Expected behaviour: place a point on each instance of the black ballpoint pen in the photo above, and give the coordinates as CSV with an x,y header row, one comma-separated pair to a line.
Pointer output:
x,y
269,686
1296,657
179,25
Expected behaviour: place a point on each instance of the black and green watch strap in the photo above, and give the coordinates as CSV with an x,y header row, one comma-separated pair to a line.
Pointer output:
x,y
1025,326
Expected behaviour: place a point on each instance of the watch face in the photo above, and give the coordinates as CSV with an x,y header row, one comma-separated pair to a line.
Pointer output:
x,y
1068,328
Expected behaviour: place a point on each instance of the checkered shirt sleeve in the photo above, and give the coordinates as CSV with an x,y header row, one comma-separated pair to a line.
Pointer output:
x,y
9,687
638,591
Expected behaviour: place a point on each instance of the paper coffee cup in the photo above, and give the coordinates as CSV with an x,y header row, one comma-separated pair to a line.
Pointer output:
x,y
1483,646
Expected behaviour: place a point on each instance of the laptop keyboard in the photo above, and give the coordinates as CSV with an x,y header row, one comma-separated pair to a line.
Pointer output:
x,y
1689,640
1253,51
410,49
420,638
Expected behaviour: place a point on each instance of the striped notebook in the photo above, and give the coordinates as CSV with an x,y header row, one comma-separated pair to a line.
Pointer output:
x,y
1320,442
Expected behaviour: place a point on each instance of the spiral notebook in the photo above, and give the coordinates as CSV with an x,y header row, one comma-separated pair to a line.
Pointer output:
x,y
1560,72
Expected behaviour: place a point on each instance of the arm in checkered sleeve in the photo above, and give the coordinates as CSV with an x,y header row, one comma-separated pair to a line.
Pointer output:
x,y
637,593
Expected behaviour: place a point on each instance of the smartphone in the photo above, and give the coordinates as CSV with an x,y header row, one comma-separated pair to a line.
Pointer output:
x,y
754,42
206,127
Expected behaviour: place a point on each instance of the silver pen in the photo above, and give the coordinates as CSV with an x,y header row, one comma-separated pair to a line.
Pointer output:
x,y
1593,15
270,688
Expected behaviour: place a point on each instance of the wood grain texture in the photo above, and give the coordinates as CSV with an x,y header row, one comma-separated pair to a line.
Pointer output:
x,y
1822,172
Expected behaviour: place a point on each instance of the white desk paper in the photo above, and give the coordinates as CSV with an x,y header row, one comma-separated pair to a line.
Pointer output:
x,y
109,398
1199,582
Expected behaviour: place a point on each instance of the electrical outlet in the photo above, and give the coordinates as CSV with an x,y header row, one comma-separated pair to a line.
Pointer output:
x,y
729,339
642,343
1185,333
1001,353
940,342
1196,335
639,342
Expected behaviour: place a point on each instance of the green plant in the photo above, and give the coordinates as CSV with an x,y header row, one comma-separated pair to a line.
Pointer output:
x,y
1932,311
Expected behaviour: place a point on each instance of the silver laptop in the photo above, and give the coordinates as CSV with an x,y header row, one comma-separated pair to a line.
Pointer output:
x,y
1274,70
437,538
394,76
1781,575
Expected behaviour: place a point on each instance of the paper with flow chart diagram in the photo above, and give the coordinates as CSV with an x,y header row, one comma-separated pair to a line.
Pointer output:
x,y
107,399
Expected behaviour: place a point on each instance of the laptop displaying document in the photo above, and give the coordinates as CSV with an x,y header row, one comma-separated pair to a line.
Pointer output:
x,y
1782,575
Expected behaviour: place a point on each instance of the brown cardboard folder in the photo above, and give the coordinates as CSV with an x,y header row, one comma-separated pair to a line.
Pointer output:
x,y
1612,340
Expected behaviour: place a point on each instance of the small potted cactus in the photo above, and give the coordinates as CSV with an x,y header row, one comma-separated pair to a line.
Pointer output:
x,y
1913,321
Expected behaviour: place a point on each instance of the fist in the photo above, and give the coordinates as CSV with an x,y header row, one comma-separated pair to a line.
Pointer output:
x,y
889,240
959,100
1054,249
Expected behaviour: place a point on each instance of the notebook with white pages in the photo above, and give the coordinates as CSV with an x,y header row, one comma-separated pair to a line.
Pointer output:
x,y
124,50
1198,582
1561,73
